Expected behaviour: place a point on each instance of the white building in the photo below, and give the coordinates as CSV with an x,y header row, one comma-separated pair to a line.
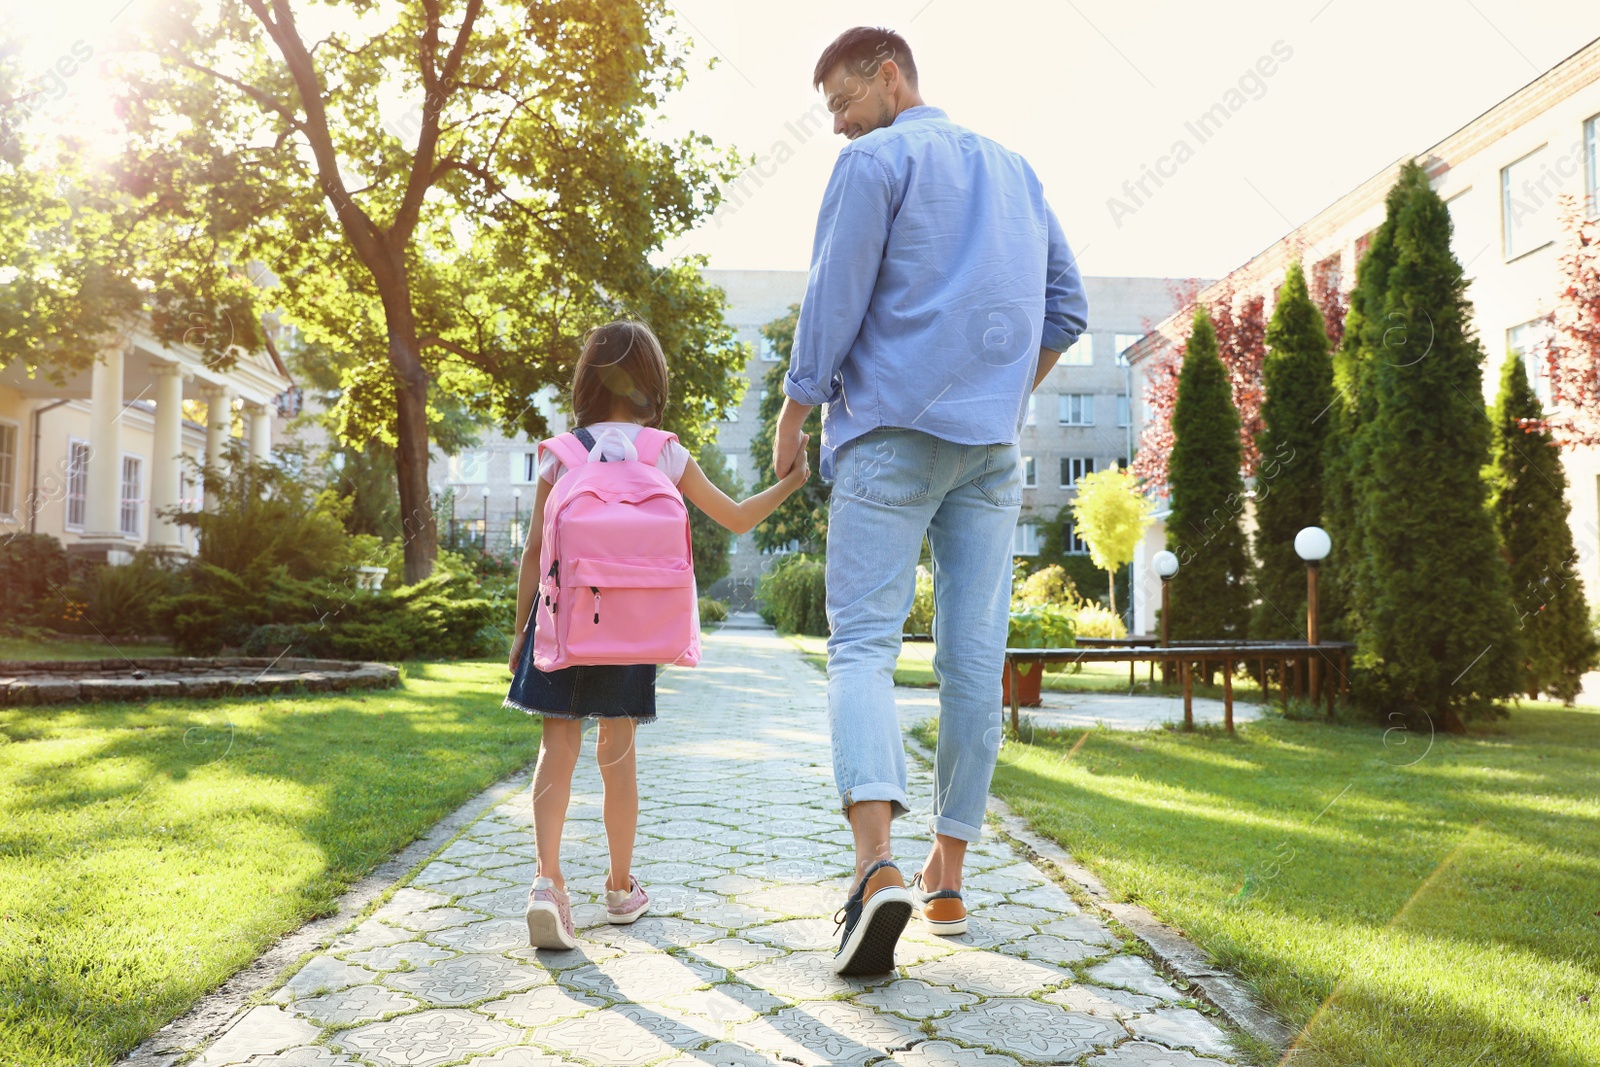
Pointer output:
x,y
95,459
1500,174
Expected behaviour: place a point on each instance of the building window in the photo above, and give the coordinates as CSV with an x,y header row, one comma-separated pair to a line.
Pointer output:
x,y
1033,407
1030,473
1527,208
1076,409
77,482
1326,277
1525,341
1026,540
8,470
1124,410
769,351
1591,151
1125,341
132,498
469,468
1073,468
1081,354
1075,545
525,467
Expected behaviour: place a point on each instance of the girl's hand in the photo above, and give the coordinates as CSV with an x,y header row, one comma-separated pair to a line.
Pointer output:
x,y
516,649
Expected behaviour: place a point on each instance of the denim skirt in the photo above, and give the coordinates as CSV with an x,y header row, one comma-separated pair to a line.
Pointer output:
x,y
602,692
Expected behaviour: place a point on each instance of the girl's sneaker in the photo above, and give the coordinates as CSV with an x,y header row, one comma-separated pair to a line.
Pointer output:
x,y
549,917
625,905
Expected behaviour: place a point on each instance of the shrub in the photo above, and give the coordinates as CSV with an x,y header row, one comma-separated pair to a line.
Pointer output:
x,y
712,610
793,595
34,570
920,621
1049,586
118,600
1097,620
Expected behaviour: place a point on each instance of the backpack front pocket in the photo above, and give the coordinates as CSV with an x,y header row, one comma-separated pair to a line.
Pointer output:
x,y
639,610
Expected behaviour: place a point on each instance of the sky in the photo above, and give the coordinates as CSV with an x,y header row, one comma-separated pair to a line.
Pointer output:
x,y
1091,92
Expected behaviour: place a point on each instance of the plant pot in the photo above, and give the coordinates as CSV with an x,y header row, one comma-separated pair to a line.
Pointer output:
x,y
1027,687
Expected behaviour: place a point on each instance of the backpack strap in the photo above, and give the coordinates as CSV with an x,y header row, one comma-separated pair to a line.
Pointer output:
x,y
568,449
650,442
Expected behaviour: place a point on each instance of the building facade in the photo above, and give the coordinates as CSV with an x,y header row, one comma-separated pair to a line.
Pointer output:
x,y
99,459
1500,175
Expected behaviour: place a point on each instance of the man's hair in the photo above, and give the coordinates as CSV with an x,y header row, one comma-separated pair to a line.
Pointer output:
x,y
863,50
621,360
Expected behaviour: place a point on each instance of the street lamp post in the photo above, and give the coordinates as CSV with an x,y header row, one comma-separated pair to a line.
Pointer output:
x,y
485,543
516,513
1312,544
1166,565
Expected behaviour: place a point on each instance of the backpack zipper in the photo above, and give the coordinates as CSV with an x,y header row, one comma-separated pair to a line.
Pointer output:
x,y
596,604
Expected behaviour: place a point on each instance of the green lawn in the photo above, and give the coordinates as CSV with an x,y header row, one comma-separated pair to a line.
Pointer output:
x,y
149,851
1400,901
915,667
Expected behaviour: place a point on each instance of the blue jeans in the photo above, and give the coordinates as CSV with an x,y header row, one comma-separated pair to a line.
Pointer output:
x,y
892,487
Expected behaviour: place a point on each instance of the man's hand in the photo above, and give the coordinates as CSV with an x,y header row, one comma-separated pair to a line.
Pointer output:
x,y
787,439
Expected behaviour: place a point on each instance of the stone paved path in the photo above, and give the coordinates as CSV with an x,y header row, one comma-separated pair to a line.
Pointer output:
x,y
745,854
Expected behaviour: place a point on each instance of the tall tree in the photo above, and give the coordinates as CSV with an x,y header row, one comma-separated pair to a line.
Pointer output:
x,y
1572,352
462,247
1111,516
1211,599
1441,641
1297,375
802,519
1530,509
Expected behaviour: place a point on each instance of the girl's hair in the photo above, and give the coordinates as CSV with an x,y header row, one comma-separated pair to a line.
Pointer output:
x,y
621,360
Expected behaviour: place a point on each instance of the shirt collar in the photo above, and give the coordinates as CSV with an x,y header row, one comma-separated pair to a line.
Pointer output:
x,y
918,113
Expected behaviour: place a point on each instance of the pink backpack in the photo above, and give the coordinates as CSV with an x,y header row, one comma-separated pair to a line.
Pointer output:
x,y
616,567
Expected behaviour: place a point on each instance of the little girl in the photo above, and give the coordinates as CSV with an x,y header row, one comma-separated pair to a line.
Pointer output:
x,y
620,384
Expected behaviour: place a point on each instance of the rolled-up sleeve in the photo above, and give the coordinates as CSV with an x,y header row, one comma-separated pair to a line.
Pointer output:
x,y
852,233
1066,306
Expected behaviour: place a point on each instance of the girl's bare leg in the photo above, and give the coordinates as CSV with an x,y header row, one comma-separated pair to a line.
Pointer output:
x,y
618,770
552,789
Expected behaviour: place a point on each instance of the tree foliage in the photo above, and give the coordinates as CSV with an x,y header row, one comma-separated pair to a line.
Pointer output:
x,y
802,520
444,193
1571,354
1111,515
1210,597
1439,640
1298,378
1531,513
711,539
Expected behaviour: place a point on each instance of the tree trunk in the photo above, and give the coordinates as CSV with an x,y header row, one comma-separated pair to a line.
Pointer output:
x,y
411,468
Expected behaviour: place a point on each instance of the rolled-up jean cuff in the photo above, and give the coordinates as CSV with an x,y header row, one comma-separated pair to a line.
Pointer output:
x,y
876,791
959,830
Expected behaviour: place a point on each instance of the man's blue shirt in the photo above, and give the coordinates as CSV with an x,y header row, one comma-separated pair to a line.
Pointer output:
x,y
937,274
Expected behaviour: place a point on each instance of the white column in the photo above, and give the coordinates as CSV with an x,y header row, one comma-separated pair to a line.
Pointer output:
x,y
258,431
166,460
103,492
219,421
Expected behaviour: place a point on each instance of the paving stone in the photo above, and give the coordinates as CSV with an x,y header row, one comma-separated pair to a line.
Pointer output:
x,y
802,934
534,1008
729,1002
642,977
1030,1029
916,999
1099,1000
426,1039
324,974
1020,914
466,979
1053,949
586,953
477,883
682,851
804,976
302,1056
462,848
370,934
262,1029
408,900
1050,896
730,884
520,1057
728,915
491,935
403,955
439,871
1182,1028
798,900
829,1032
350,1006
735,952
667,871
725,1054
984,932
1082,928
655,931
946,1054
438,919
606,1037
1133,972
1145,1054
990,974
510,902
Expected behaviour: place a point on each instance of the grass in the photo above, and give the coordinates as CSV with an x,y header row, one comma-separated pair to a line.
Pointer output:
x,y
1396,899
15,648
915,668
148,851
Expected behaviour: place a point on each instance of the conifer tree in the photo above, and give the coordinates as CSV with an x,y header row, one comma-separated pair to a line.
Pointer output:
x,y
1439,638
1530,510
1297,376
1211,596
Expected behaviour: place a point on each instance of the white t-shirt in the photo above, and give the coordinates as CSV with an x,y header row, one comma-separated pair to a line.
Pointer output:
x,y
672,462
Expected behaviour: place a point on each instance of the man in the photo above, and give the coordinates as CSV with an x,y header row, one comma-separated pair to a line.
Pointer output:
x,y
942,291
